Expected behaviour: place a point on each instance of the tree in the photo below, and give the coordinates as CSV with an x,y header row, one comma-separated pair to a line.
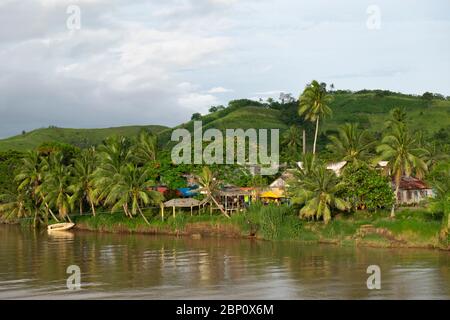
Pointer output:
x,y
14,205
365,188
399,114
404,158
441,202
196,116
113,154
146,148
56,186
318,193
29,178
131,191
83,184
210,185
292,143
350,144
433,154
314,104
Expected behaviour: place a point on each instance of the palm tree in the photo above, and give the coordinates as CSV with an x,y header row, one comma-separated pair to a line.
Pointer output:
x,y
317,192
131,191
433,154
113,154
441,202
351,145
56,185
399,114
146,148
292,142
83,185
399,149
210,185
29,178
14,205
314,104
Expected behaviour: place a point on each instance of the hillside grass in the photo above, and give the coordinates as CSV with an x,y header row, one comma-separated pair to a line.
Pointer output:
x,y
77,137
370,109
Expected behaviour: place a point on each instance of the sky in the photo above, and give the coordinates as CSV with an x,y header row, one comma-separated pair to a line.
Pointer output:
x,y
103,63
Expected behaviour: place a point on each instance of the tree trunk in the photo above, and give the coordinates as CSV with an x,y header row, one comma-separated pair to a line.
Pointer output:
x,y
315,135
304,141
397,187
92,208
142,214
51,212
218,205
81,207
35,218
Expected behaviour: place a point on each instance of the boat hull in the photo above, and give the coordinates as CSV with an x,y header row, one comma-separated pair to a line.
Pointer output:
x,y
60,226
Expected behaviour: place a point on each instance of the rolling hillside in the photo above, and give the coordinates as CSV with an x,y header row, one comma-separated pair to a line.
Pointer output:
x,y
77,137
371,109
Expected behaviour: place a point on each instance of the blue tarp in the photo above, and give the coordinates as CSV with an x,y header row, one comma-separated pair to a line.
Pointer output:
x,y
188,192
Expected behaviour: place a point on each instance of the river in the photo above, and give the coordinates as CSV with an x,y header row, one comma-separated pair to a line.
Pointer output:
x,y
33,265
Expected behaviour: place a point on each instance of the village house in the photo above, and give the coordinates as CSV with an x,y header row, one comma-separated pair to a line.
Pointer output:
x,y
413,191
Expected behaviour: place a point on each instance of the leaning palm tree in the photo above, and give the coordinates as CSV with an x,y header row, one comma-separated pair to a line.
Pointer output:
x,y
351,144
404,158
83,186
210,185
317,192
14,205
314,105
56,186
29,178
131,191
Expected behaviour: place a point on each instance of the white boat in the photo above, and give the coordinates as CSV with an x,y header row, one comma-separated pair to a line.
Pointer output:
x,y
60,226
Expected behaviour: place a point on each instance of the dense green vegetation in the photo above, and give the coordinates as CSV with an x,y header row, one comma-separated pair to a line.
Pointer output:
x,y
70,171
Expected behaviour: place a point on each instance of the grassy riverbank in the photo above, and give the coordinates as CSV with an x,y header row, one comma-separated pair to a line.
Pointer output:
x,y
411,228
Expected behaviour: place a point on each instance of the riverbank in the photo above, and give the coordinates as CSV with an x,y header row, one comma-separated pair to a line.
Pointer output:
x,y
410,229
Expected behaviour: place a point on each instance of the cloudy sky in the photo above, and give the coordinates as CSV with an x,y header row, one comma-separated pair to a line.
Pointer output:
x,y
159,61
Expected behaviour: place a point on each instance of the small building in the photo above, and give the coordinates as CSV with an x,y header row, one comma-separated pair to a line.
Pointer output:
x,y
181,203
412,191
235,199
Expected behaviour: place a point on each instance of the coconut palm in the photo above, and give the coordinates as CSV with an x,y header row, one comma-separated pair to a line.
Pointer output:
x,y
145,149
433,154
317,192
56,185
441,202
29,178
14,205
83,185
131,191
351,144
113,154
292,142
314,105
404,158
210,185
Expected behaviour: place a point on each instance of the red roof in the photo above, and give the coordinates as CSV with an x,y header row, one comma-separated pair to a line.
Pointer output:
x,y
410,183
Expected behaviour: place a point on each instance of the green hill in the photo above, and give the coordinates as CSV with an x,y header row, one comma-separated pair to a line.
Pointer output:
x,y
243,117
369,108
77,137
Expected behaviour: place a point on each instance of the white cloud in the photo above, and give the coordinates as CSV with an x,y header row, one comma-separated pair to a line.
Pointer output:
x,y
197,102
219,90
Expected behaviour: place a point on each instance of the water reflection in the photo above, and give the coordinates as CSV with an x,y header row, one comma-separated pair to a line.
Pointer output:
x,y
33,265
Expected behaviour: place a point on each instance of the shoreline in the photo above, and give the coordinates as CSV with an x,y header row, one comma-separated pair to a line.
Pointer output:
x,y
207,230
